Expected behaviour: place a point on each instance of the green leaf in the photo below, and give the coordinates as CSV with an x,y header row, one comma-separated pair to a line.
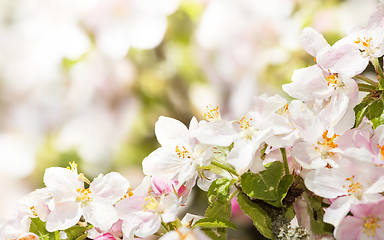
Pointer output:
x,y
378,121
270,185
361,111
214,223
375,109
219,189
219,207
284,185
316,213
216,234
73,233
261,220
38,227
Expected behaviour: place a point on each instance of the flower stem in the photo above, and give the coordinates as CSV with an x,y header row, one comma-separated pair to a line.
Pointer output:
x,y
233,194
225,167
366,87
379,71
367,80
285,160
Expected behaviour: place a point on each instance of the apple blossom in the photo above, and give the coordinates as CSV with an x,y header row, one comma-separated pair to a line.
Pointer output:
x,y
365,223
180,155
72,200
354,181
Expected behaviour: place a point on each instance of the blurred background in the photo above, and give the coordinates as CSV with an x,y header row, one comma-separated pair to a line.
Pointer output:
x,y
86,80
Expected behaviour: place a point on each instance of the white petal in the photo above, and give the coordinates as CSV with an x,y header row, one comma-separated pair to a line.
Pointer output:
x,y
313,41
308,84
338,210
100,215
307,156
62,183
346,60
110,188
220,133
164,162
171,132
63,216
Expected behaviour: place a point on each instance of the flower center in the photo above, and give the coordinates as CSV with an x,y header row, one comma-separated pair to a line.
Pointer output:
x,y
244,123
332,79
212,114
327,145
151,204
366,46
284,110
33,211
83,195
355,187
370,225
182,152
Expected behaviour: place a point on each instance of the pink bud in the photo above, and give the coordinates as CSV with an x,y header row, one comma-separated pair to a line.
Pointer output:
x,y
162,185
106,236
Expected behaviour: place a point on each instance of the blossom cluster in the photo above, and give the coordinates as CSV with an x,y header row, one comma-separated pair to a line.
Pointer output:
x,y
320,154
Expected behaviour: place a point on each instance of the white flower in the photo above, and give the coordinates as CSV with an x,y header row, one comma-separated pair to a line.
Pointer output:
x,y
72,200
353,182
179,155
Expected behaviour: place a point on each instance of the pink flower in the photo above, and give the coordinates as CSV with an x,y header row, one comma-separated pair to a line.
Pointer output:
x,y
367,222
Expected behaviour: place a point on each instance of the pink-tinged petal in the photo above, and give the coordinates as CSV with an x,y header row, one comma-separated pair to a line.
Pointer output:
x,y
302,118
332,114
349,228
313,41
109,189
163,162
106,236
354,138
365,209
338,210
307,156
63,216
130,205
162,185
308,84
326,182
100,215
346,60
171,132
220,133
268,105
62,183
150,224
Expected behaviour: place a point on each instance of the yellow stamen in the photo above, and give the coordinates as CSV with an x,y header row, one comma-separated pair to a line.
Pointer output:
x,y
182,152
212,114
84,194
332,79
355,187
244,123
370,225
328,141
33,211
151,205
72,166
381,151
284,110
